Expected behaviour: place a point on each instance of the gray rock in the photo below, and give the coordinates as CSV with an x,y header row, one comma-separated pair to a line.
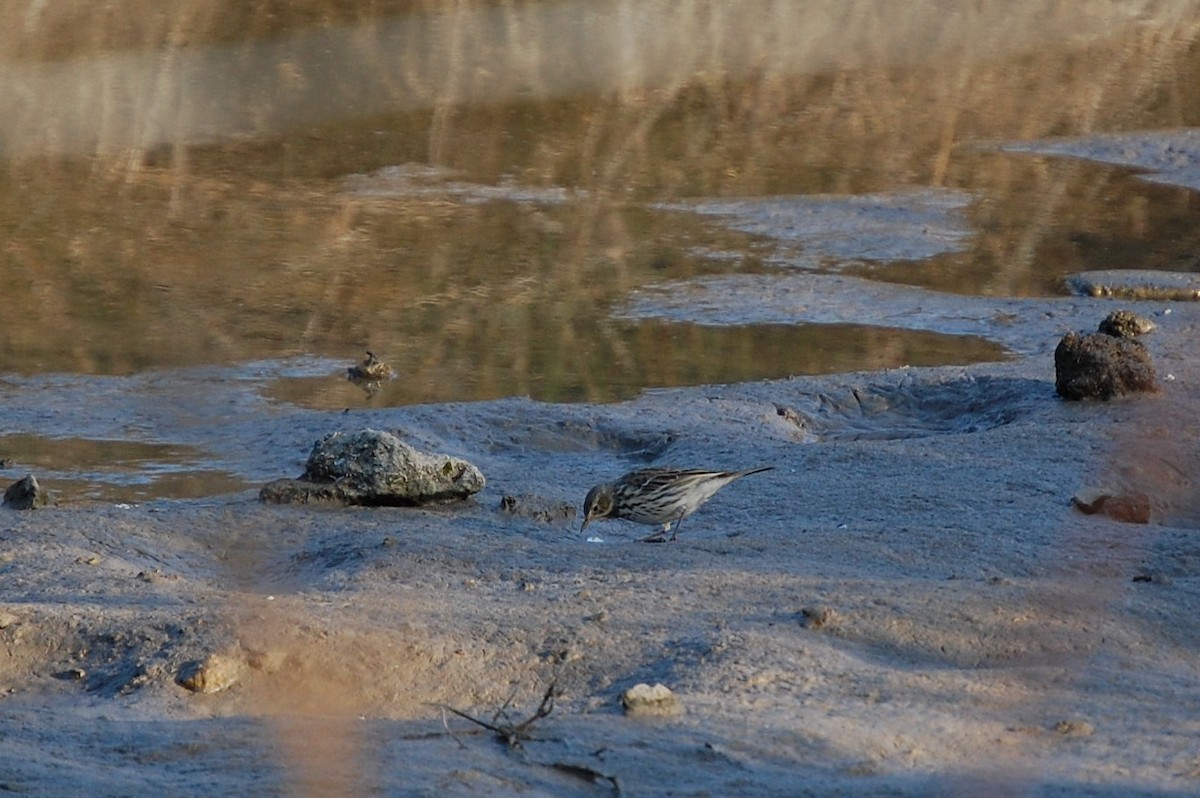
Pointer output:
x,y
27,494
375,468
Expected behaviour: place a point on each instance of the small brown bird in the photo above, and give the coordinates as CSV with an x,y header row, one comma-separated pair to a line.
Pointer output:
x,y
657,496
372,369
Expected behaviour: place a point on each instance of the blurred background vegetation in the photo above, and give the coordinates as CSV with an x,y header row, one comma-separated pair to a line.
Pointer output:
x,y
178,179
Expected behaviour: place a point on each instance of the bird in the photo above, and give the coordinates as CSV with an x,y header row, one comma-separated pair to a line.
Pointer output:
x,y
372,369
657,496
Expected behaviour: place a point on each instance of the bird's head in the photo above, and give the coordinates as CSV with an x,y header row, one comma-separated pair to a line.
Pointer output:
x,y
598,504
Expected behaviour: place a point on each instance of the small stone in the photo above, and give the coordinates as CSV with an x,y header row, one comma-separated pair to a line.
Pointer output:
x,y
7,619
644,700
1131,508
817,617
214,673
27,494
1126,324
1074,728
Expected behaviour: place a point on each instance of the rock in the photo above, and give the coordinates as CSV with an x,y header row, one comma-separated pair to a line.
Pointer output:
x,y
1132,508
1126,324
818,617
214,673
1108,363
375,468
546,511
27,494
644,700
1074,728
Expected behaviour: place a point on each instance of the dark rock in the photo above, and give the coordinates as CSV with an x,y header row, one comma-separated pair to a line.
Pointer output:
x,y
1126,324
1108,363
375,468
27,494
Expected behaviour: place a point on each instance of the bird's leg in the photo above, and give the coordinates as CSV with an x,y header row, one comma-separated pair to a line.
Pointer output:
x,y
674,531
659,536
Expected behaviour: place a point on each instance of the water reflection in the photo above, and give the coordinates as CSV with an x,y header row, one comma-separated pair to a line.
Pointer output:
x,y
186,187
218,70
651,354
79,469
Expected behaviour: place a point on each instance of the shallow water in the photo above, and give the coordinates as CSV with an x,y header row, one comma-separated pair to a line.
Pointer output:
x,y
476,193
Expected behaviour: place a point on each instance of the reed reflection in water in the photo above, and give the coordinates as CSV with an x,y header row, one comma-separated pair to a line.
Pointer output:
x,y
176,182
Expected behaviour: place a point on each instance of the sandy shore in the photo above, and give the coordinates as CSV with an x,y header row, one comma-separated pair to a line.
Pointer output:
x,y
908,604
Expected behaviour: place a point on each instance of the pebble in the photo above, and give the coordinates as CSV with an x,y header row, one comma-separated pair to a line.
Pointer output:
x,y
214,673
642,700
1131,508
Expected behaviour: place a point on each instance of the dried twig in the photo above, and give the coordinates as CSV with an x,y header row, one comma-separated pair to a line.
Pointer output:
x,y
511,733
515,734
590,775
453,736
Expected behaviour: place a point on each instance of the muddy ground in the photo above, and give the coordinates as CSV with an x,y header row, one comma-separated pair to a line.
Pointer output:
x,y
908,604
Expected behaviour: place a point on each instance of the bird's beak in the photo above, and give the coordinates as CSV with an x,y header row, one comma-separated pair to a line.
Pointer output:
x,y
586,520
